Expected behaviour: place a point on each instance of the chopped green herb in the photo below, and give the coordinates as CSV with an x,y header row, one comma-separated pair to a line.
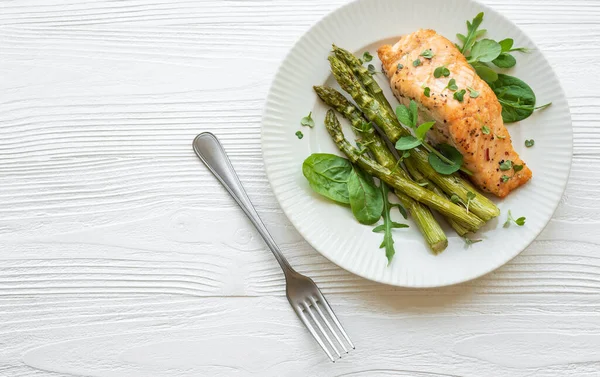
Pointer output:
x,y
454,199
371,69
472,92
299,134
308,121
428,54
506,165
400,66
469,242
441,71
520,221
470,196
417,63
502,137
529,143
427,91
505,178
460,95
485,130
517,168
367,56
452,85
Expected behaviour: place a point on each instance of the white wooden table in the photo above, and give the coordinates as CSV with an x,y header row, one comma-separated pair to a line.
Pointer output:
x,y
120,255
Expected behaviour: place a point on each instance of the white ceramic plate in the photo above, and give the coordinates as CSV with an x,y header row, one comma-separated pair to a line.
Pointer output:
x,y
364,25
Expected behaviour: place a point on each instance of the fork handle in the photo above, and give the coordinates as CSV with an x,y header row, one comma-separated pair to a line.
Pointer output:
x,y
211,153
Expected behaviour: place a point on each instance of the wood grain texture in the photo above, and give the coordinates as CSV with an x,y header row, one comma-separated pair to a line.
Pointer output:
x,y
121,256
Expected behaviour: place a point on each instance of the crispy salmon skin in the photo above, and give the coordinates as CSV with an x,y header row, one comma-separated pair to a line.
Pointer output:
x,y
463,125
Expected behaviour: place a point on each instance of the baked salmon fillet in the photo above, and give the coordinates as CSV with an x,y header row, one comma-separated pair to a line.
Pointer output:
x,y
460,124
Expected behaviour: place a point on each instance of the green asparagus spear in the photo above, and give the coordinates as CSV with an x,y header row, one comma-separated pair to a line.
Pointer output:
x,y
394,179
374,111
426,222
418,177
364,76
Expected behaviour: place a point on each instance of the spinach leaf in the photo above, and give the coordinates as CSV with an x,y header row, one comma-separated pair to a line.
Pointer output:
x,y
515,96
328,174
366,200
449,152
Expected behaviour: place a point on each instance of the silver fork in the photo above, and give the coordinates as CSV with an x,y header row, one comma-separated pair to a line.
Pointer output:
x,y
302,293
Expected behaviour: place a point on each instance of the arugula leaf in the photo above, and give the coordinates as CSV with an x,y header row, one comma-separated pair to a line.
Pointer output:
x,y
365,199
472,33
404,115
421,131
452,85
299,134
427,91
450,153
407,142
505,60
367,57
388,224
460,95
308,121
484,51
529,143
328,174
428,54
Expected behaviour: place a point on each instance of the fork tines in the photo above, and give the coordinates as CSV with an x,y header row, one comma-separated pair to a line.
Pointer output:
x,y
310,306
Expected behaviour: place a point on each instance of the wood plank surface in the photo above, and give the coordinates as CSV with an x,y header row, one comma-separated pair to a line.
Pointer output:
x,y
121,256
